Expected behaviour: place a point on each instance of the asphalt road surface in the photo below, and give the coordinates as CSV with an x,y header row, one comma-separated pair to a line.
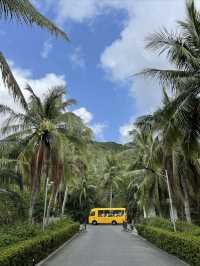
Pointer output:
x,y
109,246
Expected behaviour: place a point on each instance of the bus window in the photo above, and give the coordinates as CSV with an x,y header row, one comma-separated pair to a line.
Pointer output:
x,y
101,214
117,213
92,213
108,213
105,213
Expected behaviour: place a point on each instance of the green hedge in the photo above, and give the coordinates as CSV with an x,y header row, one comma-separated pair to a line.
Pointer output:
x,y
10,235
32,251
183,245
181,226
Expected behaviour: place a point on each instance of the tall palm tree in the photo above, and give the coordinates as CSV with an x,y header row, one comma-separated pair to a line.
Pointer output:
x,y
146,164
83,193
179,144
181,128
23,11
111,177
46,127
182,49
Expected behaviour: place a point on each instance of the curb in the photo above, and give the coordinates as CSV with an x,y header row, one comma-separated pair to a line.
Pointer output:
x,y
57,250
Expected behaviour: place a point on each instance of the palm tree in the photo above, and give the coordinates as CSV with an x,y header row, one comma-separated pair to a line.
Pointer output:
x,y
46,128
146,164
22,11
83,193
180,126
179,145
111,177
182,49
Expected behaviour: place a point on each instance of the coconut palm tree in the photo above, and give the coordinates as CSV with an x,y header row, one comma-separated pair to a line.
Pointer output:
x,y
46,127
179,119
144,168
179,144
23,11
182,50
83,193
111,177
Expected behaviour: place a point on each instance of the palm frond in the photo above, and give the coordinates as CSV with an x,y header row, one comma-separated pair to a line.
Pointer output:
x,y
178,52
68,103
4,109
24,11
10,81
8,177
35,98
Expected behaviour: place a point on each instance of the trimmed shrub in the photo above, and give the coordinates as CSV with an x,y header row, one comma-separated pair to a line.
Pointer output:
x,y
18,232
159,222
165,224
183,245
32,251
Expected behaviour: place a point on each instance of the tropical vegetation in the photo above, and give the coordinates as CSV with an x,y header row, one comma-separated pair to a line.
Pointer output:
x,y
51,168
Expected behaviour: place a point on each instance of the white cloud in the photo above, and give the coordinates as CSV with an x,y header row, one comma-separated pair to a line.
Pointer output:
x,y
127,55
77,58
76,10
47,47
98,130
124,132
84,10
24,77
87,117
84,114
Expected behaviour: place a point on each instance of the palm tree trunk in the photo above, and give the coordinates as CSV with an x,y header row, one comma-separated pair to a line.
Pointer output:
x,y
187,210
152,212
47,160
111,193
144,212
55,200
186,202
32,206
175,213
64,200
49,208
35,185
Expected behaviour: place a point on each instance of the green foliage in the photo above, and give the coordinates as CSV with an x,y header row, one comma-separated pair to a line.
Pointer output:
x,y
185,246
181,226
31,251
48,132
11,207
18,232
109,146
159,222
176,124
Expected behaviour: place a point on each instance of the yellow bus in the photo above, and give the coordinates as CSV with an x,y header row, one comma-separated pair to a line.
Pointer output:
x,y
107,216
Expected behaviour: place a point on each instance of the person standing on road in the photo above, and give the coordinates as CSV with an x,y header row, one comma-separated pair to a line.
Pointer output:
x,y
85,222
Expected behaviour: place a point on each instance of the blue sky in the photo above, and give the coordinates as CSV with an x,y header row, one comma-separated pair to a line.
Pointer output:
x,y
107,45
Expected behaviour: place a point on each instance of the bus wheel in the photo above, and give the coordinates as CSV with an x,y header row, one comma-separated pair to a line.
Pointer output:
x,y
114,222
94,222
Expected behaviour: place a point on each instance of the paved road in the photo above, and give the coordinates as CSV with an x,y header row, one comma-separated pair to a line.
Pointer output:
x,y
109,246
